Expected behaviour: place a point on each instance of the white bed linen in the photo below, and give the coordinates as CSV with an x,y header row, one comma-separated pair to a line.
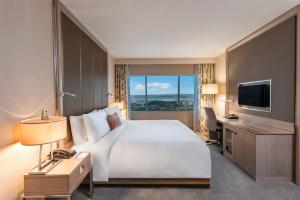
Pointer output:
x,y
149,149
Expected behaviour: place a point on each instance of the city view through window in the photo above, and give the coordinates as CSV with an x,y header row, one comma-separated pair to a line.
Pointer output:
x,y
166,93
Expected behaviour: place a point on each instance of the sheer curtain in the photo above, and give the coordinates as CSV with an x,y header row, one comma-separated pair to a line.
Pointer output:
x,y
205,74
121,72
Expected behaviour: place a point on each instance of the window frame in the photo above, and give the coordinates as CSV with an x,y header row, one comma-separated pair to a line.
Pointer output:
x,y
178,92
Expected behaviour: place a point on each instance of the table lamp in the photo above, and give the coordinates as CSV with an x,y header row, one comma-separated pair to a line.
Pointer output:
x,y
210,89
39,131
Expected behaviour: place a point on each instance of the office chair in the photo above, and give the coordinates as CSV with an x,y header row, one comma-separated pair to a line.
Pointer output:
x,y
213,128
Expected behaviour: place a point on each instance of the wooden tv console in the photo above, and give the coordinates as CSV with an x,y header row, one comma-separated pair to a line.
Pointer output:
x,y
262,147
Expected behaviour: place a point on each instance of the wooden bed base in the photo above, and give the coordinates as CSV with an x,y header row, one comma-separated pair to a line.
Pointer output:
x,y
156,181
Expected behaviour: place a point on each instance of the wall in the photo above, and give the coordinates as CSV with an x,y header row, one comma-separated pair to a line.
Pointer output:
x,y
111,77
160,69
26,83
271,55
161,61
220,78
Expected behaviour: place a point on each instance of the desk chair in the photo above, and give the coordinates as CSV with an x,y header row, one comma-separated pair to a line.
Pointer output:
x,y
213,128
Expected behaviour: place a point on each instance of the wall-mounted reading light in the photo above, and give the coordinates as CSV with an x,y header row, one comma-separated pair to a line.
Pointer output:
x,y
227,100
62,94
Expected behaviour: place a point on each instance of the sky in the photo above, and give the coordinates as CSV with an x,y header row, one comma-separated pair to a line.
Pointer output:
x,y
161,85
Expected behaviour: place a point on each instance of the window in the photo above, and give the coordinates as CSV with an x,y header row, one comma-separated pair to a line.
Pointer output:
x,y
137,91
187,89
162,92
165,93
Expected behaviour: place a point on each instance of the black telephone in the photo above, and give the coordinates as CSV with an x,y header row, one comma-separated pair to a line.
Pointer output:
x,y
231,116
63,153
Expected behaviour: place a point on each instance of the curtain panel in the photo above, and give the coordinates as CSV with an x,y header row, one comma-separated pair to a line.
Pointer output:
x,y
120,84
205,74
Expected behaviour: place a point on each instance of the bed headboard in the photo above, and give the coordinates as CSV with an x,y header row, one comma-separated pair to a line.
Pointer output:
x,y
82,67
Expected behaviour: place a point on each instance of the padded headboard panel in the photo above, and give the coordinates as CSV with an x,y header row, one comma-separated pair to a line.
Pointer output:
x,y
84,70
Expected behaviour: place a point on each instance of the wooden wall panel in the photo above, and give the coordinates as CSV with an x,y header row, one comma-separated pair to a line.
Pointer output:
x,y
271,55
84,70
97,77
71,70
87,85
104,79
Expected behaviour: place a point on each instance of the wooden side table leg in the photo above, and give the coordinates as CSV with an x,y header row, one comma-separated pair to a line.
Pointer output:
x,y
69,197
91,184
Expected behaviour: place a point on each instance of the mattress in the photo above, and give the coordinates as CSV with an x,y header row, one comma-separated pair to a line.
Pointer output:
x,y
149,149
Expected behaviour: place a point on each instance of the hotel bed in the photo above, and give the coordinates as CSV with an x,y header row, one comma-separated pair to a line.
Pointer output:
x,y
150,152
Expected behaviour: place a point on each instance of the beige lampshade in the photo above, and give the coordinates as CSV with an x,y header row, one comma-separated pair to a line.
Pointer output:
x,y
210,89
36,131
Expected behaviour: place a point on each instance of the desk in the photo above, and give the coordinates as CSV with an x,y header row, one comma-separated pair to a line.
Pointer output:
x,y
221,120
260,128
261,148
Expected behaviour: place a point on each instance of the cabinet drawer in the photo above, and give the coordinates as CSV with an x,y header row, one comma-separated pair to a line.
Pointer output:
x,y
45,185
79,173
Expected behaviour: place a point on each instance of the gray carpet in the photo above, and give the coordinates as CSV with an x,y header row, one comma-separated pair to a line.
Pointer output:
x,y
228,182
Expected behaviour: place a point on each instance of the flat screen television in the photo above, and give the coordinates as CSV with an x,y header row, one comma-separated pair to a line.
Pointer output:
x,y
255,95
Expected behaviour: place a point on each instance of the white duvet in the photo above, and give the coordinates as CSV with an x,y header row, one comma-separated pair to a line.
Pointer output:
x,y
149,149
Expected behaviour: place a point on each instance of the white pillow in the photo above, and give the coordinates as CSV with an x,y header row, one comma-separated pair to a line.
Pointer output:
x,y
78,129
113,110
96,125
100,110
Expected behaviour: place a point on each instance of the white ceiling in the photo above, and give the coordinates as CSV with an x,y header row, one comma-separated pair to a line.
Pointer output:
x,y
173,28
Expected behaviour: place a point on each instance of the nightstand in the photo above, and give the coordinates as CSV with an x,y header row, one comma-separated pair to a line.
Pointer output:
x,y
62,180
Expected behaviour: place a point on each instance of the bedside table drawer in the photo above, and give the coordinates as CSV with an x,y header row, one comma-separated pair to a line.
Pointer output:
x,y
63,179
45,185
77,176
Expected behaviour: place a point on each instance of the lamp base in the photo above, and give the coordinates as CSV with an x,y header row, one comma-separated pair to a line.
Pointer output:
x,y
46,166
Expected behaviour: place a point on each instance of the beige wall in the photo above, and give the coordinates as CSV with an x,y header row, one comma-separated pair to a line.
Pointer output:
x,y
111,77
26,83
161,69
220,77
161,61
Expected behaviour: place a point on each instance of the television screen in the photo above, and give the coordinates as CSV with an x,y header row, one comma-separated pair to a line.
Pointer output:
x,y
254,95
